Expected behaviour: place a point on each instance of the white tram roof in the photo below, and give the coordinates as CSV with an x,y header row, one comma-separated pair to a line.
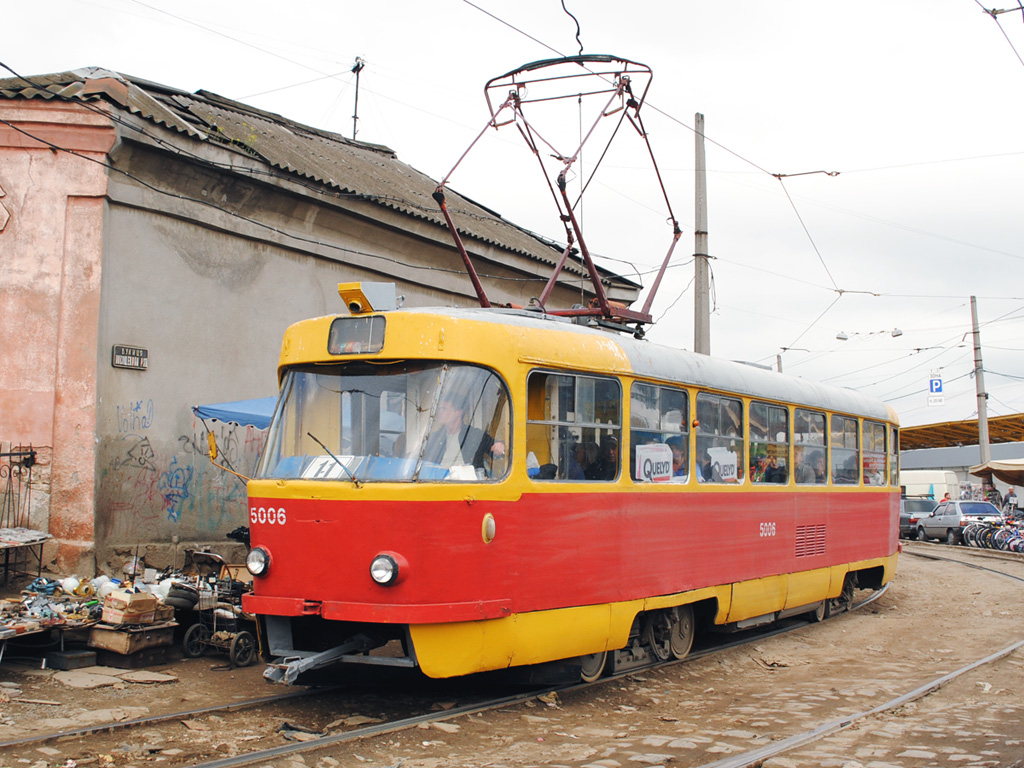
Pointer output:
x,y
654,361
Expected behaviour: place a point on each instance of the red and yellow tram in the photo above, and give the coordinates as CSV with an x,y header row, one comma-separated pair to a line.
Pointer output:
x,y
471,490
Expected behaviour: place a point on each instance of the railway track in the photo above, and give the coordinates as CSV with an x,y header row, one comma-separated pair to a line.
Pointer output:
x,y
345,718
337,714
824,729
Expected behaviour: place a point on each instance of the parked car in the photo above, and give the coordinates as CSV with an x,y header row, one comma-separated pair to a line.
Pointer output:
x,y
948,519
912,510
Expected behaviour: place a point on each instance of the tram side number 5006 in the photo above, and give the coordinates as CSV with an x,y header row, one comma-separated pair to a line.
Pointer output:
x,y
271,515
767,529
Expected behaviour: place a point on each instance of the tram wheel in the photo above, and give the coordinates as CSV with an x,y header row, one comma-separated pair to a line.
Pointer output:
x,y
683,630
656,634
195,640
820,613
592,666
243,649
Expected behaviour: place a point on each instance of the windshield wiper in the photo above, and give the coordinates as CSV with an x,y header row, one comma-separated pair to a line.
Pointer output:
x,y
336,460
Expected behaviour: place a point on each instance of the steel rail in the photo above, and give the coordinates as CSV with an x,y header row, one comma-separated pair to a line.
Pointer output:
x,y
139,721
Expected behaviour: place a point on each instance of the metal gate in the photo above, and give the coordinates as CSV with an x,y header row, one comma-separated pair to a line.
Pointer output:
x,y
19,544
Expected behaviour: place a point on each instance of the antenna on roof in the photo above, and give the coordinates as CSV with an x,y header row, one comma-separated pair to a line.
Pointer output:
x,y
357,68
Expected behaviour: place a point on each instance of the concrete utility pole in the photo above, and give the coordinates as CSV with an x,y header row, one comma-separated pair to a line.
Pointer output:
x,y
701,301
979,385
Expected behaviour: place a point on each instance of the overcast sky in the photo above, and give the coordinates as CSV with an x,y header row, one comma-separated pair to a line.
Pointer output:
x,y
917,104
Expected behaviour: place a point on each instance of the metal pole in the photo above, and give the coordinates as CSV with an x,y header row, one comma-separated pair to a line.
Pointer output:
x,y
979,385
701,302
357,68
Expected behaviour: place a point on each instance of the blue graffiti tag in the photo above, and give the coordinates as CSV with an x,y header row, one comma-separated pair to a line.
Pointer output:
x,y
173,487
135,416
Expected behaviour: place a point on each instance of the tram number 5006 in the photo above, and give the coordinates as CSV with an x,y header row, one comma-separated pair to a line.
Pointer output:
x,y
271,515
767,529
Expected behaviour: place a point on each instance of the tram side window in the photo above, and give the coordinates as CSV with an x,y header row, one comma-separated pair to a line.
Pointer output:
x,y
809,447
874,453
659,418
719,439
844,450
769,443
573,427
894,454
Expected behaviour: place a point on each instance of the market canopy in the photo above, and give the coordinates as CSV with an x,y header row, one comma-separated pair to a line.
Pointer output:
x,y
1001,429
1010,471
255,413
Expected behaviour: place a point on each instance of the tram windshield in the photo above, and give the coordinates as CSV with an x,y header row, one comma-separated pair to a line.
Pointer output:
x,y
390,422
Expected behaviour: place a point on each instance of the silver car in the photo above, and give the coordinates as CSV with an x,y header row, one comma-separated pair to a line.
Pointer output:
x,y
912,510
948,520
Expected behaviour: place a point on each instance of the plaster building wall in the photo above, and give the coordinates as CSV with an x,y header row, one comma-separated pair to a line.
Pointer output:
x,y
197,254
49,299
209,298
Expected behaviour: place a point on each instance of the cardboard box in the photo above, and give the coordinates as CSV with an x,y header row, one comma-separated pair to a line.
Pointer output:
x,y
129,640
114,616
121,607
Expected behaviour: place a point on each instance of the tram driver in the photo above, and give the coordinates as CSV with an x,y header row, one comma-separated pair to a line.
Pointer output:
x,y
455,443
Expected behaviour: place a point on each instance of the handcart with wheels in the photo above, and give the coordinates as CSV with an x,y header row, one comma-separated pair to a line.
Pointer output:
x,y
222,624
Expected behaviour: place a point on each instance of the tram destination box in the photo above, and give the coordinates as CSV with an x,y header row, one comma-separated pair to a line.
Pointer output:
x,y
122,607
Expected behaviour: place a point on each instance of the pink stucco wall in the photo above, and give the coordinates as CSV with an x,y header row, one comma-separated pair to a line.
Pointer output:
x,y
52,247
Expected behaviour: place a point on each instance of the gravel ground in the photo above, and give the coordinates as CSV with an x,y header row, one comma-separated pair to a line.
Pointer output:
x,y
936,618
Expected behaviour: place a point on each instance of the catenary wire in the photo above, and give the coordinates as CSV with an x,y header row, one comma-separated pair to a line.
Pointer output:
x,y
995,18
645,271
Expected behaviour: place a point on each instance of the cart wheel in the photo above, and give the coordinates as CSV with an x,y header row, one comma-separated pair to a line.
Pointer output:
x,y
243,649
195,641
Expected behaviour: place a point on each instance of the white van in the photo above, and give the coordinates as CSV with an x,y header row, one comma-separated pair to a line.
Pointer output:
x,y
930,483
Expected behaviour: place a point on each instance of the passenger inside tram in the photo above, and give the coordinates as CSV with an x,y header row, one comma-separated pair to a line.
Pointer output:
x,y
678,446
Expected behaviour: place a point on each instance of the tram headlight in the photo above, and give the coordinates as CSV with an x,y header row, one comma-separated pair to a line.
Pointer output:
x,y
388,568
257,562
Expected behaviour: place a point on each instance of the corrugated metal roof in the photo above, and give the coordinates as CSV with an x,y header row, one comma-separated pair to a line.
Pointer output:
x,y
1001,429
369,171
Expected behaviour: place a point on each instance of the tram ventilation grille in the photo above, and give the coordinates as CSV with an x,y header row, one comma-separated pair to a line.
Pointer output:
x,y
810,540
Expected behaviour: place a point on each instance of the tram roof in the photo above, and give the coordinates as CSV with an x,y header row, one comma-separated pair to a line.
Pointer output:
x,y
655,361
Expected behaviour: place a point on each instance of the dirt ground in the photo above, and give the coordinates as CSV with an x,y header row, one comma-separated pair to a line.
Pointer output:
x,y
937,617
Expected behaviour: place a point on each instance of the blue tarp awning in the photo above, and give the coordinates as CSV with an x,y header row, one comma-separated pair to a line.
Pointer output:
x,y
255,413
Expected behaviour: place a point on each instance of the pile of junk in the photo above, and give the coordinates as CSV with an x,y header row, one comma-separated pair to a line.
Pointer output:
x,y
133,621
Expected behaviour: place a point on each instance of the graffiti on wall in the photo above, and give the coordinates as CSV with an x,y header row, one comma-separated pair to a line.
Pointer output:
x,y
139,453
173,487
150,488
133,416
